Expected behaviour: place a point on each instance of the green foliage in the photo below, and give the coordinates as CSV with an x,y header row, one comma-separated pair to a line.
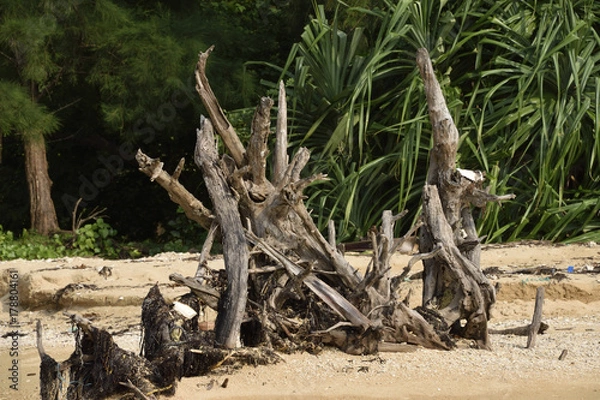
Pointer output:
x,y
521,81
30,246
138,66
27,69
21,115
94,239
538,93
181,234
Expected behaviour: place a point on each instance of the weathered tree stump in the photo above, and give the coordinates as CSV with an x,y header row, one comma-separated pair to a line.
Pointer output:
x,y
453,284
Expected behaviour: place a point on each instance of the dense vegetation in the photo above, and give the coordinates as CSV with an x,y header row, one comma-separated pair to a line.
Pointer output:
x,y
523,82
522,79
114,76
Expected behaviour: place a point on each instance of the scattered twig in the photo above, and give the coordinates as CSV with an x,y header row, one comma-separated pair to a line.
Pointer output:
x,y
563,354
136,390
79,220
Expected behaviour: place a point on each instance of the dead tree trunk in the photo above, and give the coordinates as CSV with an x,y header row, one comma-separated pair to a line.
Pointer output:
x,y
453,284
233,302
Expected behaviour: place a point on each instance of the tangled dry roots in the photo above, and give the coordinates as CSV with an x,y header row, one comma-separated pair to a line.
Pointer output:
x,y
172,348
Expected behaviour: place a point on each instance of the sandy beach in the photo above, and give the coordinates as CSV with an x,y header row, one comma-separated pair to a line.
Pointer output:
x,y
510,371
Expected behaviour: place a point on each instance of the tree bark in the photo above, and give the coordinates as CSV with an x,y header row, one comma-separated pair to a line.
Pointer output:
x,y
41,208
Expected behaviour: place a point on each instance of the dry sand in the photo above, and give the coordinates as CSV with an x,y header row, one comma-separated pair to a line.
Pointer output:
x,y
509,371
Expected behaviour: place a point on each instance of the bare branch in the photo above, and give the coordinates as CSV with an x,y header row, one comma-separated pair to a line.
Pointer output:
x,y
215,112
193,208
79,220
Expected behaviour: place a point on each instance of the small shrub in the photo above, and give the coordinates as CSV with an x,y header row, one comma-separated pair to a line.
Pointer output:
x,y
96,239
30,246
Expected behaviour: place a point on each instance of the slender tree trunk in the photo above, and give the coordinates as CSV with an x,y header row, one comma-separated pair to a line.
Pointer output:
x,y
42,211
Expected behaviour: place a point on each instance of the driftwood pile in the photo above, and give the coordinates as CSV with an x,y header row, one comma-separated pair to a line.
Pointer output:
x,y
285,286
172,348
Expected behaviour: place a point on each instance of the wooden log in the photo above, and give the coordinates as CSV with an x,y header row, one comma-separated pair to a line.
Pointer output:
x,y
537,318
393,347
206,294
519,330
407,325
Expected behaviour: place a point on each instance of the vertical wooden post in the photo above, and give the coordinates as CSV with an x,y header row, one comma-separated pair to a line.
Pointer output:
x,y
537,318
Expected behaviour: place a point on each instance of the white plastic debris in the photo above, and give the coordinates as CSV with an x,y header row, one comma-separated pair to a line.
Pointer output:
x,y
473,176
186,311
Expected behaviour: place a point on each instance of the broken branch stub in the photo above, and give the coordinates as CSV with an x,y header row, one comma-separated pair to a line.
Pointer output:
x,y
280,160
